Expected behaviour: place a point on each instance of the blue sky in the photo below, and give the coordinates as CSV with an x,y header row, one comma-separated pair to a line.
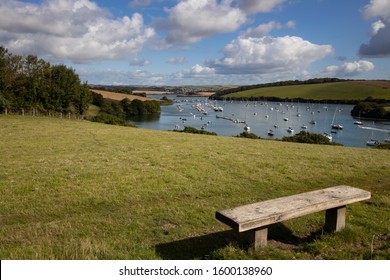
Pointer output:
x,y
203,42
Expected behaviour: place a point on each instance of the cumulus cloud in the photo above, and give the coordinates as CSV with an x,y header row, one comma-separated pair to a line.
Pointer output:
x,y
258,6
193,20
268,55
379,44
349,69
78,30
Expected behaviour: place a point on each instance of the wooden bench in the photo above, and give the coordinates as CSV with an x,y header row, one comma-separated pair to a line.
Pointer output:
x,y
252,220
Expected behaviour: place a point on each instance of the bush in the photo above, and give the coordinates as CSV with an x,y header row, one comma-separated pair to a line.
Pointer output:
x,y
307,137
189,129
384,146
249,135
109,119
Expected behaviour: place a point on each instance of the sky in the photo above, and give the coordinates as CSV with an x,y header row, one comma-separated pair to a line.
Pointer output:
x,y
202,42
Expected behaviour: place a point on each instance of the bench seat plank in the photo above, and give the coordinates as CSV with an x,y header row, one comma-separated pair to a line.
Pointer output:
x,y
260,214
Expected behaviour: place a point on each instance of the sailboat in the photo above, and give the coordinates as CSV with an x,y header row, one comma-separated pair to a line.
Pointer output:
x,y
334,125
358,122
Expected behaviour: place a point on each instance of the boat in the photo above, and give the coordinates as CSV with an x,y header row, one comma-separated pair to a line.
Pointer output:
x,y
372,142
334,125
271,132
247,128
218,109
304,126
327,135
290,130
337,126
285,119
358,122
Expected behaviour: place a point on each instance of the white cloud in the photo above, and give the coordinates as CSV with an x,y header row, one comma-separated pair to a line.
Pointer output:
x,y
257,6
177,60
264,29
75,30
379,44
349,69
140,62
377,8
376,26
269,55
193,20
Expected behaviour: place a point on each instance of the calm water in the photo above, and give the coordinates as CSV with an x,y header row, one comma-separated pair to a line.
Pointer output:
x,y
264,116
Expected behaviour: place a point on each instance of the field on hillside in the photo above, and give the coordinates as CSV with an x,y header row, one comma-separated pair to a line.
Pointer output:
x,y
119,96
353,90
82,190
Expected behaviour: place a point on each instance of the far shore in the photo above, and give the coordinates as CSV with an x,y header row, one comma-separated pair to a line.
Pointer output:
x,y
154,92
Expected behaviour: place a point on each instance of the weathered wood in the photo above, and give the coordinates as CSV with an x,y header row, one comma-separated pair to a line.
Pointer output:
x,y
335,219
255,238
257,216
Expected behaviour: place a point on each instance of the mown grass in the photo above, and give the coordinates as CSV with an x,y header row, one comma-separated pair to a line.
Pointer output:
x,y
81,190
328,91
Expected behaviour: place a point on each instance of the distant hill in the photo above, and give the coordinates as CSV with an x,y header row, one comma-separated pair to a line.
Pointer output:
x,y
119,96
334,90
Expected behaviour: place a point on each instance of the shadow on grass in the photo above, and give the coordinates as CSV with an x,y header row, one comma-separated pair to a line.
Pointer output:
x,y
283,234
202,247
196,247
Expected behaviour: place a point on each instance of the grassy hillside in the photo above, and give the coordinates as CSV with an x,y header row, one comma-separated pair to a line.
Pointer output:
x,y
353,90
81,190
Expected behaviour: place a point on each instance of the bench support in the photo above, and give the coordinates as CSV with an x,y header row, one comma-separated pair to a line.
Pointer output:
x,y
335,219
255,238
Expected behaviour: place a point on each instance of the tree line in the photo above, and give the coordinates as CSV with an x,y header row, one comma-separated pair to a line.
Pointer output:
x,y
27,82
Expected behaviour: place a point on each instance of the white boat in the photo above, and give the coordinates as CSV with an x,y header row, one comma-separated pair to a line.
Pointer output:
x,y
304,126
358,122
337,126
290,130
372,142
327,135
334,125
247,128
218,109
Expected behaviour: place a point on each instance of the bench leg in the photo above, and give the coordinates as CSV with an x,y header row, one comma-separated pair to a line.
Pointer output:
x,y
335,218
256,238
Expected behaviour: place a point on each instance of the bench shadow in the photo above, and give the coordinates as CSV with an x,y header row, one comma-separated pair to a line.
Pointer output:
x,y
196,247
279,232
201,247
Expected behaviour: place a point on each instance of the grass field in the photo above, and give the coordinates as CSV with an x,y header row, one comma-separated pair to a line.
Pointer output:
x,y
82,190
356,90
119,96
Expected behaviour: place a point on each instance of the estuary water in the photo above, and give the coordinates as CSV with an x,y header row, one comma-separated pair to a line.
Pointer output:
x,y
262,117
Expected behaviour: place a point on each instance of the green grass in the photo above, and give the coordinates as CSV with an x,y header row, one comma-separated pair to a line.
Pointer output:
x,y
82,190
328,91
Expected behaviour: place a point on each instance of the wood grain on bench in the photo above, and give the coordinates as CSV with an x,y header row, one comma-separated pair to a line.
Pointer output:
x,y
257,216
